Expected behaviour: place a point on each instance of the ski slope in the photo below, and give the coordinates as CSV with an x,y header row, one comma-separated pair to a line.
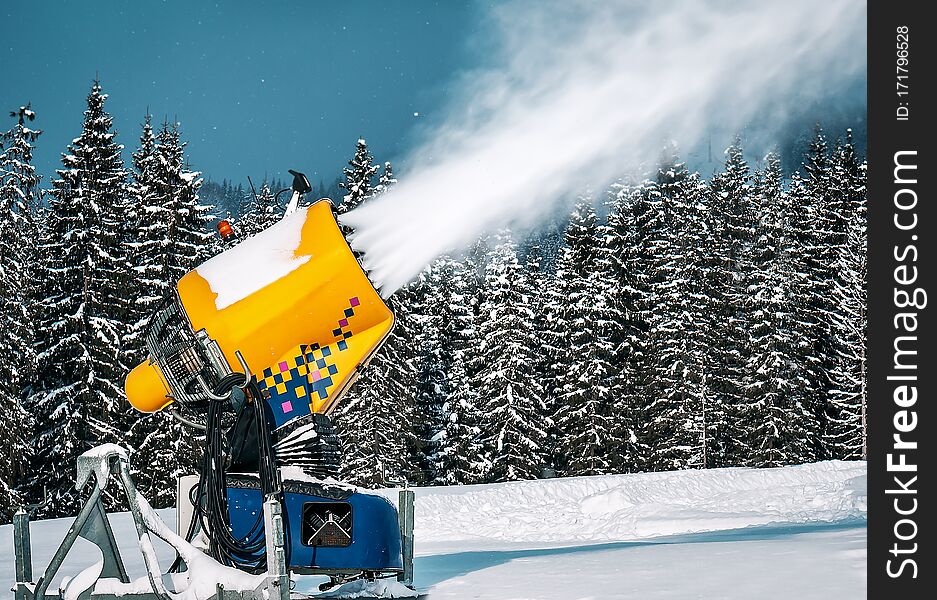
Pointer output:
x,y
792,532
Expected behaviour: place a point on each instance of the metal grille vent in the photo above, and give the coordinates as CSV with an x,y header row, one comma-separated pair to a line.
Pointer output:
x,y
181,355
327,524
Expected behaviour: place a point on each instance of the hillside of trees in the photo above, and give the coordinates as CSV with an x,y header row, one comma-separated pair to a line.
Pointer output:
x,y
675,322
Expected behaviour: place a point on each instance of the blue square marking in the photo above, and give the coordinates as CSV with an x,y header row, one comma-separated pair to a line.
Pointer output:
x,y
320,363
342,345
337,331
326,351
349,312
268,372
333,369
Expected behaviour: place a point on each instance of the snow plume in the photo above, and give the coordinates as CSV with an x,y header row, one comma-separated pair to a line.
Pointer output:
x,y
577,92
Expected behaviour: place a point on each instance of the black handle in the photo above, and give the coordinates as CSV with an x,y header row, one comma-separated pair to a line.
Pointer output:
x,y
300,183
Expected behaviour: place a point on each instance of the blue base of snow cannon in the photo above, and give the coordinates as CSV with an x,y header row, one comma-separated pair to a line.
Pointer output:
x,y
329,528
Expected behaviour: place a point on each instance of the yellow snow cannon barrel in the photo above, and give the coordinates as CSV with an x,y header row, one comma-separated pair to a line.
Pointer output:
x,y
146,388
296,305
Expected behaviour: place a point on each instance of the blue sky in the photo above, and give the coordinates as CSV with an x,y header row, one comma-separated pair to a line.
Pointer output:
x,y
259,87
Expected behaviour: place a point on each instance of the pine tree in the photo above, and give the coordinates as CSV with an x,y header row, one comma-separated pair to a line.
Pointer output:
x,y
386,180
733,227
585,415
619,260
431,313
262,212
192,240
815,227
374,419
173,239
19,193
513,416
458,457
149,218
777,418
848,321
79,397
359,175
681,413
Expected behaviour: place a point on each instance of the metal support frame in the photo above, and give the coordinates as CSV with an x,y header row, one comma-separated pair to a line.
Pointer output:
x,y
277,570
22,550
92,524
405,519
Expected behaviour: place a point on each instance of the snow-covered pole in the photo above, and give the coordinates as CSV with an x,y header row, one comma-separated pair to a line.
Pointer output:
x,y
405,518
22,552
277,573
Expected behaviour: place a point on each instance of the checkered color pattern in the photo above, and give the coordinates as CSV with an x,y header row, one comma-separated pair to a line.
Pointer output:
x,y
292,385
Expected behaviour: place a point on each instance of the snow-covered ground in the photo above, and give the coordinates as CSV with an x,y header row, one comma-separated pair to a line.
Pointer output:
x,y
794,532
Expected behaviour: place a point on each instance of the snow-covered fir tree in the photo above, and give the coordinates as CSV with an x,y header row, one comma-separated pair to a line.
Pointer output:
x,y
431,313
585,418
261,213
619,258
680,413
732,224
192,239
386,180
848,393
546,304
19,194
814,227
378,420
374,419
148,220
173,238
513,413
359,178
78,398
776,417
458,453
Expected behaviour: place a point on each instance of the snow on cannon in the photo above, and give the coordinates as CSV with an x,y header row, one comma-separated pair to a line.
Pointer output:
x,y
256,347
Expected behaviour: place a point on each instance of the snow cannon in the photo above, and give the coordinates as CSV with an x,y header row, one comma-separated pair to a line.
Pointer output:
x,y
257,346
291,305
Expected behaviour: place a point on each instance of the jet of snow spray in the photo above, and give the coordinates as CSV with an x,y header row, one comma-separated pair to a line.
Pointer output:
x,y
578,92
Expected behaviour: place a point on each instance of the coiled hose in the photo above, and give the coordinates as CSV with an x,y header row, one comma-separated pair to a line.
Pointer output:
x,y
246,552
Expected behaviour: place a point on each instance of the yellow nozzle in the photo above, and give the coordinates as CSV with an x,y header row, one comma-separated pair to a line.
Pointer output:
x,y
146,389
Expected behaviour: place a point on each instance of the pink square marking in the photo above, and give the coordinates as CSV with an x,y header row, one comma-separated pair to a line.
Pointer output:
x,y
284,367
315,376
343,323
287,406
354,301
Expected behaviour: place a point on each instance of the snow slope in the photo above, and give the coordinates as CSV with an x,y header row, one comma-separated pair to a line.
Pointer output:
x,y
720,533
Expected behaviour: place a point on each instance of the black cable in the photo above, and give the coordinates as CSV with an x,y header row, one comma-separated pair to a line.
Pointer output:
x,y
248,552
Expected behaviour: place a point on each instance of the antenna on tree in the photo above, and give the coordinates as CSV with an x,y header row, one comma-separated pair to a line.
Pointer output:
x,y
253,191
